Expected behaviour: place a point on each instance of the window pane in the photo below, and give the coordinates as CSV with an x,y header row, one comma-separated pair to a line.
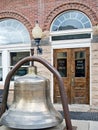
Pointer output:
x,y
57,22
84,19
62,63
61,18
74,14
69,37
87,25
62,55
70,24
79,55
20,72
80,64
13,32
16,56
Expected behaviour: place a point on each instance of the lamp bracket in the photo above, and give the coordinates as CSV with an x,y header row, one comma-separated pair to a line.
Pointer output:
x,y
37,41
39,50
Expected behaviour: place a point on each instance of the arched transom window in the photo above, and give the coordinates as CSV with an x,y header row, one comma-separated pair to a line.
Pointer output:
x,y
13,32
70,25
71,20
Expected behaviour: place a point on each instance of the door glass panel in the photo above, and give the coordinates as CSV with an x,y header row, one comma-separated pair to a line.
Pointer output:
x,y
80,64
62,63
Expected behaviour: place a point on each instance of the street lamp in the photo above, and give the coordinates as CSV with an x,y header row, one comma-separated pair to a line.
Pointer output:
x,y
37,35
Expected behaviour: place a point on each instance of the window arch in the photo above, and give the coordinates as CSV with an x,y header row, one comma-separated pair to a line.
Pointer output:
x,y
13,32
71,20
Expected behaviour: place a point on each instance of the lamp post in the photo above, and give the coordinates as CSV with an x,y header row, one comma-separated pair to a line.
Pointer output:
x,y
37,35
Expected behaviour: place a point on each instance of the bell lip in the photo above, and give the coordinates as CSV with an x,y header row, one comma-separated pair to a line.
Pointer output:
x,y
34,126
60,126
29,127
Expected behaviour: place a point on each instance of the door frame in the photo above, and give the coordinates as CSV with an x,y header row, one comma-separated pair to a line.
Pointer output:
x,y
71,44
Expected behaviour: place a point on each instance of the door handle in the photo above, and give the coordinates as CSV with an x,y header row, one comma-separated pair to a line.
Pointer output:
x,y
72,81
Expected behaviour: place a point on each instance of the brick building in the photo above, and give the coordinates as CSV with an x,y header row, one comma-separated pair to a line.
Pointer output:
x,y
72,46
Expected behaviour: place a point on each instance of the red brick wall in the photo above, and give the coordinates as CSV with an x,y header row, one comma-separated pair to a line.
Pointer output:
x,y
27,11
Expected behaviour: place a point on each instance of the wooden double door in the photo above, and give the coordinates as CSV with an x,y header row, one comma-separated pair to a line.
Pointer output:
x,y
73,66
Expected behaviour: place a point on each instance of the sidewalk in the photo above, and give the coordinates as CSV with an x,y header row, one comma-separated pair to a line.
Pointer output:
x,y
85,125
82,116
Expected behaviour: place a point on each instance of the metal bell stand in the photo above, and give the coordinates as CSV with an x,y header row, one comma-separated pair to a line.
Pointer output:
x,y
60,82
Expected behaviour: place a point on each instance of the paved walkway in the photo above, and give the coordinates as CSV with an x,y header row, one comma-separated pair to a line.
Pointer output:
x,y
92,116
85,125
83,117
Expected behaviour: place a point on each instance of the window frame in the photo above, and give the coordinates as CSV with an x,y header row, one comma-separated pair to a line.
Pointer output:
x,y
6,55
23,66
70,32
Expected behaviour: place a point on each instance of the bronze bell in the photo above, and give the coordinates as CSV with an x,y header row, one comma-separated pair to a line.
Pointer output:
x,y
32,107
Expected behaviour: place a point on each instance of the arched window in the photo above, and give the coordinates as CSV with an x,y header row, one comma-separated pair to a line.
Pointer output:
x,y
71,20
13,32
14,45
71,25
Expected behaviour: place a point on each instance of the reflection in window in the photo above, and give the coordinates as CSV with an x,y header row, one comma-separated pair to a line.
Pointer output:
x,y
71,20
70,37
80,64
1,67
14,58
62,63
13,32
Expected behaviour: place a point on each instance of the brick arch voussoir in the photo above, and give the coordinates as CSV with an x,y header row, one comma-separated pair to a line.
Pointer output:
x,y
70,6
18,17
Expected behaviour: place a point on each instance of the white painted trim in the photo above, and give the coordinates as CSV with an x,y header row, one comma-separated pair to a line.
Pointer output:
x,y
6,59
70,32
71,44
15,46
